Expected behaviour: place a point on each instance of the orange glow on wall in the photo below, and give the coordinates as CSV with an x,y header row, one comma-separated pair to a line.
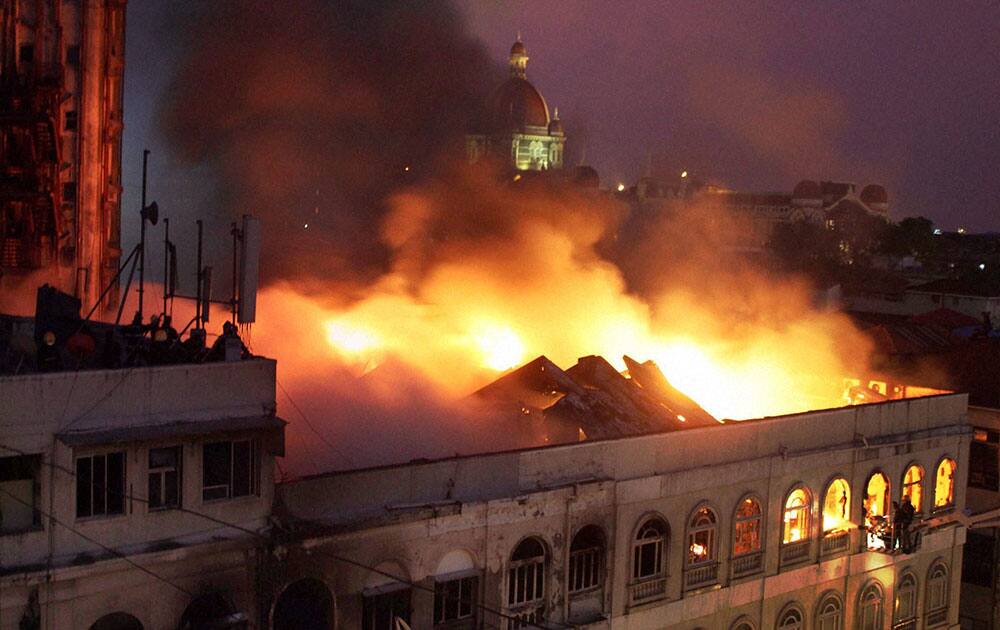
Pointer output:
x,y
837,507
944,486
796,518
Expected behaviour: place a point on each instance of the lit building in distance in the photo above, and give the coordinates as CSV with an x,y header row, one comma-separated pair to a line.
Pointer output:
x,y
515,127
61,68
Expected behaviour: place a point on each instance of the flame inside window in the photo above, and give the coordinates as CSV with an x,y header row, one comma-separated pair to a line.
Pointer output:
x,y
913,486
796,519
837,507
944,487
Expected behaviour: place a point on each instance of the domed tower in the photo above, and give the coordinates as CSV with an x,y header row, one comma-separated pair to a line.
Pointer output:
x,y
515,126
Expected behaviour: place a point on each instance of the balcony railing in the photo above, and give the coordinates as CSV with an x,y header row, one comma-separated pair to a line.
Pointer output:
x,y
701,575
647,590
525,616
834,543
792,553
748,564
936,617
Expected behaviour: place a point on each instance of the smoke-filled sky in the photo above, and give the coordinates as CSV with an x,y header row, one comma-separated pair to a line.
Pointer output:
x,y
754,96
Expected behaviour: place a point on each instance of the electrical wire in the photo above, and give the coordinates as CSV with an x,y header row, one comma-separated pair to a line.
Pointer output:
x,y
111,550
263,538
330,445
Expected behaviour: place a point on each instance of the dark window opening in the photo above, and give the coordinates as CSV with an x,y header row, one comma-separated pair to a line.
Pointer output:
x,y
984,461
69,192
71,120
455,600
18,493
27,53
978,565
382,610
230,470
73,55
164,478
100,485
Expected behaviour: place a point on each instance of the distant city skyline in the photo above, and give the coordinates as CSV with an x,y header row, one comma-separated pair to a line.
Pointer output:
x,y
752,99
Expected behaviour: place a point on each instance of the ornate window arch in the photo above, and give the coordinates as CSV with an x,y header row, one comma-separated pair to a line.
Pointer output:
x,y
913,486
586,560
871,607
649,548
830,612
743,623
703,535
796,515
906,599
791,618
526,573
837,506
747,526
944,483
936,600
877,512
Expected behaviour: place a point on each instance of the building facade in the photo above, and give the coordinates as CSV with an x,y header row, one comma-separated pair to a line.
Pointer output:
x,y
515,127
133,498
981,565
61,71
772,523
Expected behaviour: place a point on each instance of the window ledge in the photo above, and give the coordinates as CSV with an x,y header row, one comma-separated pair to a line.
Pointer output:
x,y
231,500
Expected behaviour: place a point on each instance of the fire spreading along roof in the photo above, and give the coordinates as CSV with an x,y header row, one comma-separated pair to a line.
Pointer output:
x,y
592,400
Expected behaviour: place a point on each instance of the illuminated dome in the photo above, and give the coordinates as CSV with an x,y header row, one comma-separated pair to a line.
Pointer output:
x,y
517,104
518,49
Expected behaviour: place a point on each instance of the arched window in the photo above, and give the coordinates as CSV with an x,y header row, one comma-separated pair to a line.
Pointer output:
x,y
906,599
743,623
208,610
796,518
790,619
586,560
649,551
937,594
747,530
870,608
650,545
304,605
702,531
830,613
944,484
878,527
526,578
117,621
913,486
837,507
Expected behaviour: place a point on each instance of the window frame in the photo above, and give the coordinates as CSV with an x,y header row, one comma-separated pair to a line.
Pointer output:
x,y
33,463
598,563
873,586
835,616
254,472
756,521
919,483
659,544
806,510
906,579
950,504
833,531
939,572
790,609
518,571
709,529
442,620
162,472
106,512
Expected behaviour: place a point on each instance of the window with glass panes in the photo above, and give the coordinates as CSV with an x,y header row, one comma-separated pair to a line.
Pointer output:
x,y
100,485
455,600
164,478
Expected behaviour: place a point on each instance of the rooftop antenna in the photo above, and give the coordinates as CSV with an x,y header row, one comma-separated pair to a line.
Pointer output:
x,y
151,213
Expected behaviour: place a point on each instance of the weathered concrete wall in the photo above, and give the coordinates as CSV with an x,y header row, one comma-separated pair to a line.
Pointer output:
x,y
485,505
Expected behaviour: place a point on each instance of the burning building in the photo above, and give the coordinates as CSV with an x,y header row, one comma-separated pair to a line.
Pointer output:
x,y
61,69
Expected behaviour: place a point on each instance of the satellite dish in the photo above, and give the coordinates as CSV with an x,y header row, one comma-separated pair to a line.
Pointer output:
x,y
151,213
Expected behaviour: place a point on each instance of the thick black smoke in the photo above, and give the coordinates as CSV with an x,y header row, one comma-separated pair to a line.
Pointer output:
x,y
311,113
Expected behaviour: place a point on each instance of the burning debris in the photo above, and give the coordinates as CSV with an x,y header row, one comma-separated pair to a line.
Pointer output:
x,y
591,400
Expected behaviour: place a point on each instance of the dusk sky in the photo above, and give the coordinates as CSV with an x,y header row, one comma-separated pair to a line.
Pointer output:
x,y
753,96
